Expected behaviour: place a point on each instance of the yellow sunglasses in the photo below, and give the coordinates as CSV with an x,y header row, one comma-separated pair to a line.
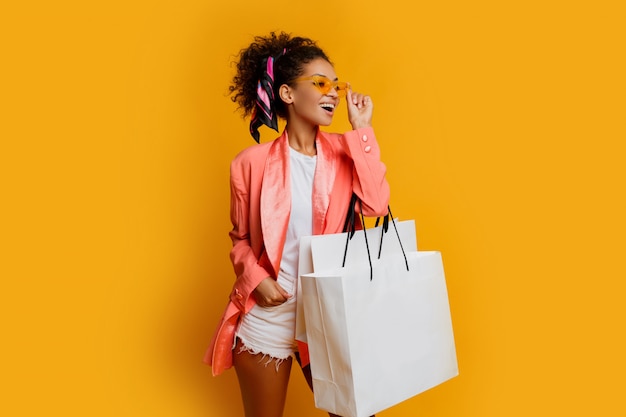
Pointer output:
x,y
325,84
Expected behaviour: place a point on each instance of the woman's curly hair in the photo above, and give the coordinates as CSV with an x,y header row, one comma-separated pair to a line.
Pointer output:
x,y
287,67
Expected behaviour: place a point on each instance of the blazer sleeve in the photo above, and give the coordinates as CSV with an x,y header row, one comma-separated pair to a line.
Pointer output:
x,y
369,182
245,262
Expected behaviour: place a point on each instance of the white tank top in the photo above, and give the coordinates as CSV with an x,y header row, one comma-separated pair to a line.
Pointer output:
x,y
302,171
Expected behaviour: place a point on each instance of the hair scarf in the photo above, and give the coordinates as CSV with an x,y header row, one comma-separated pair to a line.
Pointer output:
x,y
265,110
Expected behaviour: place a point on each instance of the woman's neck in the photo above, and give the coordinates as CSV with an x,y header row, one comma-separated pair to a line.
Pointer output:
x,y
302,138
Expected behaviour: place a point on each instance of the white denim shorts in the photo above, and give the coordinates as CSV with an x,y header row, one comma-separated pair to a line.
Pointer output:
x,y
271,331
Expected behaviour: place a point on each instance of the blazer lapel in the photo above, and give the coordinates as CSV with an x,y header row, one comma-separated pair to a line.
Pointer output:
x,y
275,204
323,181
275,201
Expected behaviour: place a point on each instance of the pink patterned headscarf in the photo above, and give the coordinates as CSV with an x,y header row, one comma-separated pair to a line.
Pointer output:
x,y
265,110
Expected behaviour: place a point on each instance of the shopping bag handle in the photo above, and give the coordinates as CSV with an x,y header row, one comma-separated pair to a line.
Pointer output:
x,y
349,227
385,227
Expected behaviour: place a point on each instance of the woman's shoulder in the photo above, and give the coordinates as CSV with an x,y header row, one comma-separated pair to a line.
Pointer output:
x,y
330,139
329,135
356,136
252,154
364,130
333,136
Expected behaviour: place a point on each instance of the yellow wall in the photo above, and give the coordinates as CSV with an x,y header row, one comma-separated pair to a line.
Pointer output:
x,y
502,125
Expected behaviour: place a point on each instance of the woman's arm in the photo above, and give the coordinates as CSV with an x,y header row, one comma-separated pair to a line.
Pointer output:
x,y
245,262
369,182
251,276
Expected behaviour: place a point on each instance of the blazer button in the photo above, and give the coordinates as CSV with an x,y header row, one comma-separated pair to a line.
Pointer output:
x,y
238,295
364,138
367,148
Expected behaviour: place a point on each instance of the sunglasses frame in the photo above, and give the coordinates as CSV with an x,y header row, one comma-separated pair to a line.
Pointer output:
x,y
341,87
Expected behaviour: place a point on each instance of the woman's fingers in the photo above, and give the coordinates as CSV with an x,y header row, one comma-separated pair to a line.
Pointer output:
x,y
360,108
357,99
269,294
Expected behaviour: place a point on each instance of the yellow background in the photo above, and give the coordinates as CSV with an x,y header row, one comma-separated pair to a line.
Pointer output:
x,y
503,128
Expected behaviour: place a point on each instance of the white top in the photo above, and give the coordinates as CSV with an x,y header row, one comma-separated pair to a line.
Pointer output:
x,y
302,171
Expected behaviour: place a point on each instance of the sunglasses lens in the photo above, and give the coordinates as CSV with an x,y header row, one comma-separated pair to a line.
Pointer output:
x,y
325,85
341,88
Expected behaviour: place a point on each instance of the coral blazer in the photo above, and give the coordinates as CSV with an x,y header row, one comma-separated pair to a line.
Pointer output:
x,y
260,207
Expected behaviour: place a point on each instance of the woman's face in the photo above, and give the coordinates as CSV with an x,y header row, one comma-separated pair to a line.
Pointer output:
x,y
309,103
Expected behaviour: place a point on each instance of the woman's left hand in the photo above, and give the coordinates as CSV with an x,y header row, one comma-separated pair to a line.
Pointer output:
x,y
360,108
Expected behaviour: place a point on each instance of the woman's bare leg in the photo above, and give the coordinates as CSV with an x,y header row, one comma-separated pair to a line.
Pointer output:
x,y
263,388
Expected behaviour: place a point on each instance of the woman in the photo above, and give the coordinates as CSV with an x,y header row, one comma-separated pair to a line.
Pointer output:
x,y
298,185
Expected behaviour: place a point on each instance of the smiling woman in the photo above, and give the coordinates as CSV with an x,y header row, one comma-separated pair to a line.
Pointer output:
x,y
297,185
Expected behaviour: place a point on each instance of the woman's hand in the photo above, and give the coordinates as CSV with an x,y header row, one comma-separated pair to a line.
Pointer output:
x,y
269,294
360,109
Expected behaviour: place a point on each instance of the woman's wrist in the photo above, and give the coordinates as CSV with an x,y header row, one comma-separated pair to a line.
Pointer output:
x,y
356,126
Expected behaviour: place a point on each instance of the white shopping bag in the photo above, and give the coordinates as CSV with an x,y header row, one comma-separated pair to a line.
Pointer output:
x,y
374,343
330,255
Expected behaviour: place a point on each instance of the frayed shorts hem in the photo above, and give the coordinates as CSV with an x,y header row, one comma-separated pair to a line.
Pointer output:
x,y
267,357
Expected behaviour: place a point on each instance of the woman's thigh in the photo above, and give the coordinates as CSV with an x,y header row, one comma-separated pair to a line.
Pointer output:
x,y
262,381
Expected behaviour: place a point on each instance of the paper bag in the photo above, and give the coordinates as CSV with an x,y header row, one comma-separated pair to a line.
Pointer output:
x,y
374,343
331,255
